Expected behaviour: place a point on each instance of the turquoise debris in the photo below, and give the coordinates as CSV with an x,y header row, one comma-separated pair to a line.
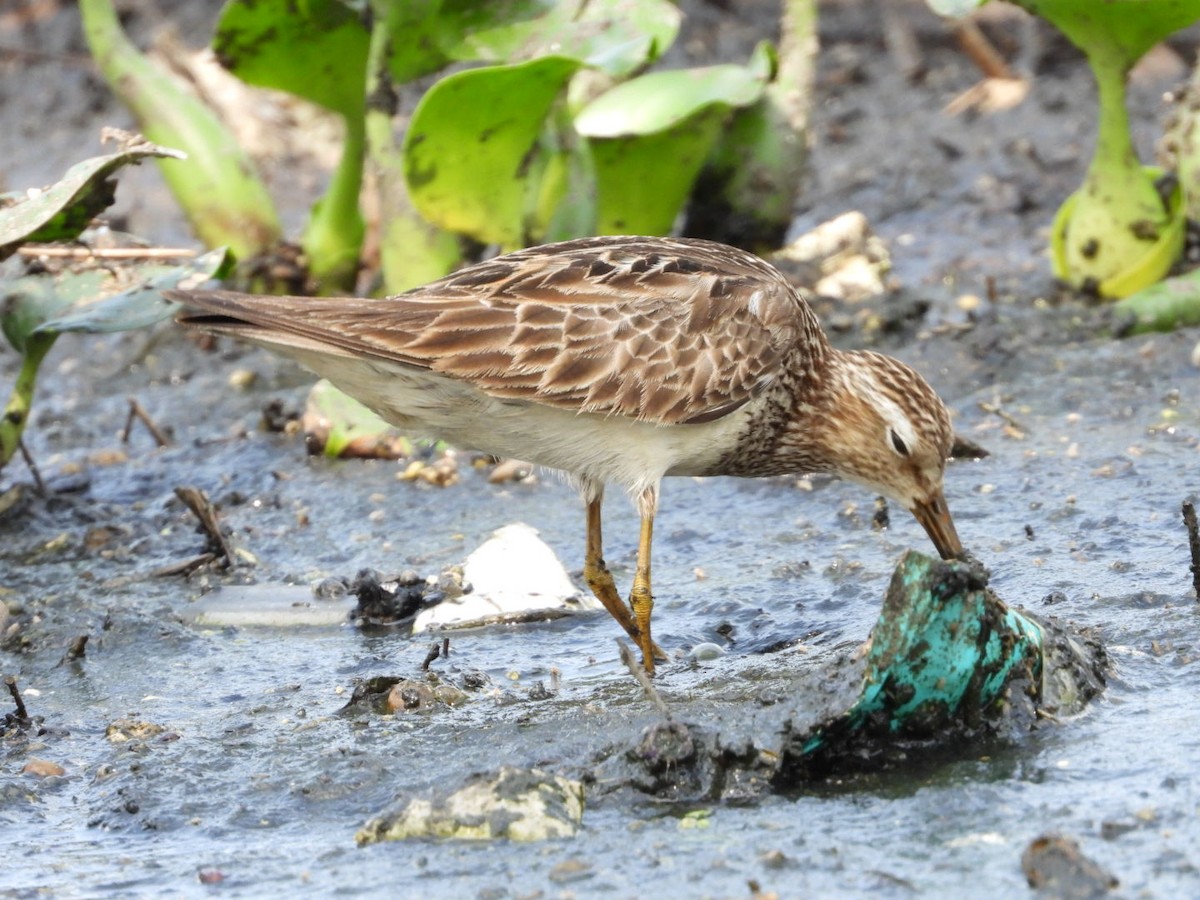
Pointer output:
x,y
944,648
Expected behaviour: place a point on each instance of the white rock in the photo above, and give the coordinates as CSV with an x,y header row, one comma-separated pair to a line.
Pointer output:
x,y
512,574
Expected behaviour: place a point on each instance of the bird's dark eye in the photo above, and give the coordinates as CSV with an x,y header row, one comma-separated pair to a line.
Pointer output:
x,y
898,443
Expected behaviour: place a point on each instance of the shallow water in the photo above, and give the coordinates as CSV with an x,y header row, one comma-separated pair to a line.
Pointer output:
x,y
258,777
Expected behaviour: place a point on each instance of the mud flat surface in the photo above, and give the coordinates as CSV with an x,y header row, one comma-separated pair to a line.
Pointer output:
x,y
193,754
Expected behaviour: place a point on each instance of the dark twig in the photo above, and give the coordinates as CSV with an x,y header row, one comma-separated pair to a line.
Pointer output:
x,y
33,469
445,648
434,652
1189,520
137,411
977,46
640,676
184,567
22,714
195,500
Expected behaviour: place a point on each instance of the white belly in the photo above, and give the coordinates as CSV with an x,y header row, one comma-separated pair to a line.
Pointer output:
x,y
614,449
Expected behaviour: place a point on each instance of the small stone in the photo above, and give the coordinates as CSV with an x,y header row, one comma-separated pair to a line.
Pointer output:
x,y
705,653
510,470
513,803
42,768
450,695
1054,866
571,870
242,379
124,730
409,695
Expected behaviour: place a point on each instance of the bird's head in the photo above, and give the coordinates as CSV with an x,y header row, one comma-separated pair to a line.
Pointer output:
x,y
887,430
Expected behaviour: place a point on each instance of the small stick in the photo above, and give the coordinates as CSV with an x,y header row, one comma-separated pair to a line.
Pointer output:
x,y
137,411
1193,530
11,681
640,676
107,252
195,500
977,46
997,410
183,567
33,469
445,648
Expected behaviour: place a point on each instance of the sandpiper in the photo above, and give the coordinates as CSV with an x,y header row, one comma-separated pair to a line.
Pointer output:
x,y
619,360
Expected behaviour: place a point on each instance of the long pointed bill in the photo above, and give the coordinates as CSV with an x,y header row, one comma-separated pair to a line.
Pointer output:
x,y
934,516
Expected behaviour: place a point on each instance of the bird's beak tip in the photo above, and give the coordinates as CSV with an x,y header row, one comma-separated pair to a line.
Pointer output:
x,y
934,516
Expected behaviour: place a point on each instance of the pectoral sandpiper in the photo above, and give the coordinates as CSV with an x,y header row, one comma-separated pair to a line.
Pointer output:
x,y
620,360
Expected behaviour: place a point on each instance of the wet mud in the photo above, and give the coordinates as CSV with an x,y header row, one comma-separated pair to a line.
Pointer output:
x,y
194,753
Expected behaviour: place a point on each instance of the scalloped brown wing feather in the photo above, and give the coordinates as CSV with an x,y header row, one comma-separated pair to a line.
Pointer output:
x,y
661,330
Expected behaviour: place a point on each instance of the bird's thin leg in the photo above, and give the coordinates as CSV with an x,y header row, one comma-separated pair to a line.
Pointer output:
x,y
600,580
641,598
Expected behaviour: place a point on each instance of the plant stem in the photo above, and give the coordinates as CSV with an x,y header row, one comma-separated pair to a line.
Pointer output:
x,y
1118,213
16,413
216,185
412,251
333,239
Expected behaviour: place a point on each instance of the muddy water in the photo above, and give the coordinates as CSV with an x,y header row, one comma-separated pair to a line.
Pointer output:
x,y
254,776
257,776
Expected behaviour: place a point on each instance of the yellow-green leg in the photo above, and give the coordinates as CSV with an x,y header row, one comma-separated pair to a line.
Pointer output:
x,y
601,582
641,598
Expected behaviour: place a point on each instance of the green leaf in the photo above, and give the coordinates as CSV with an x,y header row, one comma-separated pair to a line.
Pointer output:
x,y
346,422
617,36
91,301
142,304
62,211
318,50
412,251
1170,304
659,130
472,144
315,49
662,100
32,300
38,308
670,161
1119,31
413,27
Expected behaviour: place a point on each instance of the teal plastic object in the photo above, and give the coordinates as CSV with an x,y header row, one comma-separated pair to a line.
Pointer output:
x,y
944,650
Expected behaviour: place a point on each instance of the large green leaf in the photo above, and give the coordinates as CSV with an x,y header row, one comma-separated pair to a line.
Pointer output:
x,y
472,144
62,211
96,300
413,28
617,36
36,309
659,101
644,180
1118,31
1165,306
27,303
658,130
316,49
